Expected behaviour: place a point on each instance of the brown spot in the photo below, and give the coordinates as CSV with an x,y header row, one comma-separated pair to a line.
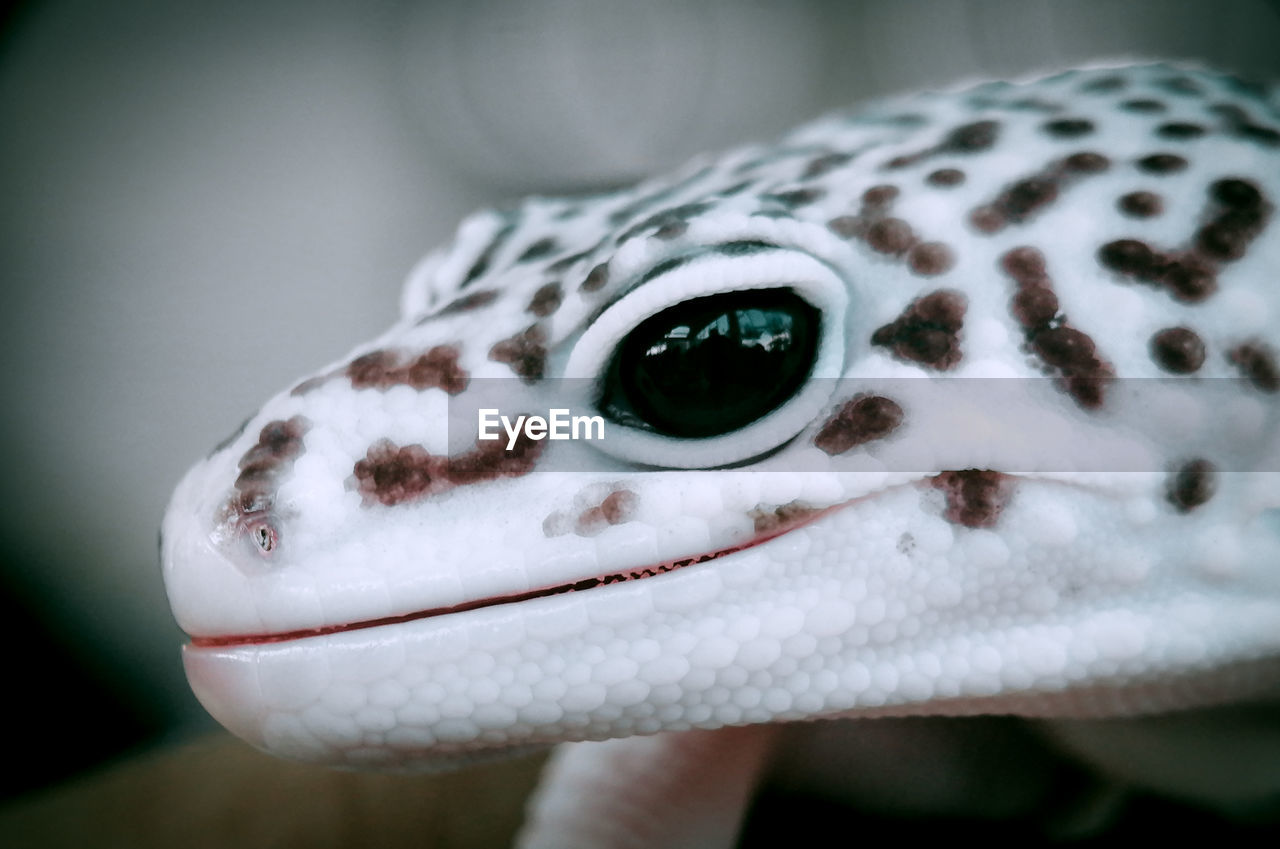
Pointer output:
x,y
1130,256
1035,306
796,197
546,300
847,226
736,188
1179,85
986,218
481,265
945,177
1229,233
975,497
1033,104
1229,112
1063,347
821,165
1140,204
1180,131
1104,85
1189,279
1064,350
1143,105
249,508
781,518
1257,361
1190,275
861,420
590,522
1186,276
255,475
1236,194
879,196
436,368
557,524
966,138
525,352
971,138
372,368
1086,162
671,230
1162,163
890,236
1067,128
1021,200
1024,264
638,205
666,224
474,300
596,278
538,250
1268,136
279,442
391,474
309,385
491,460
567,262
928,330
1083,373
617,507
931,258
1191,485
1177,349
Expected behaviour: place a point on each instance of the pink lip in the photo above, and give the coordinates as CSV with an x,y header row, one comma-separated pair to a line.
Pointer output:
x,y
576,586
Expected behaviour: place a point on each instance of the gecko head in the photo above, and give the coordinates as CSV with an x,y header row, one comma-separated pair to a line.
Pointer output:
x,y
350,498
892,415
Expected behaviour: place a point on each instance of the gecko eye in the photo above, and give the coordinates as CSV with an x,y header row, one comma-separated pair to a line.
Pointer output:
x,y
715,357
714,364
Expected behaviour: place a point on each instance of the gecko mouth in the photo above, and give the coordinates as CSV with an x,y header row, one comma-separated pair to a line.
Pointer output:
x,y
616,577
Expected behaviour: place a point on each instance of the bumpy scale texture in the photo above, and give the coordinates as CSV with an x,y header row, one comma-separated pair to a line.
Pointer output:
x,y
366,585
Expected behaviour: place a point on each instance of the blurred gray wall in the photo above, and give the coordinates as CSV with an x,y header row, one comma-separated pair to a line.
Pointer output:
x,y
201,201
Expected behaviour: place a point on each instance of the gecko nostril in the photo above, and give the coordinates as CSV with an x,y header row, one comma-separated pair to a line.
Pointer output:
x,y
263,536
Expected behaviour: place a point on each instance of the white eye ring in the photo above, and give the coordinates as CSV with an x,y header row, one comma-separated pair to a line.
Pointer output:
x,y
712,273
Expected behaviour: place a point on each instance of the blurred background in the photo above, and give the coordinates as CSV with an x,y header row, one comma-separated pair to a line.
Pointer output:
x,y
201,201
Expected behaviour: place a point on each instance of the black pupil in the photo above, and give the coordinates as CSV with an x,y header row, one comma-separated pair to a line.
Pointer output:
x,y
712,365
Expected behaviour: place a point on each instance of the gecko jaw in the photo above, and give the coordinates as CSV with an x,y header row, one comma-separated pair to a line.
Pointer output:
x,y
621,576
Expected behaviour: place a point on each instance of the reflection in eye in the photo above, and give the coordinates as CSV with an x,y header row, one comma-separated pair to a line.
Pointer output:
x,y
714,364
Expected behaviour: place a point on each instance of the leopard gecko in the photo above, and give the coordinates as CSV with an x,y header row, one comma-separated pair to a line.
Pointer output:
x,y
957,403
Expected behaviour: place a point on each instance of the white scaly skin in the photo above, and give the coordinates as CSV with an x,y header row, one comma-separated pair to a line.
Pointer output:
x,y
1080,589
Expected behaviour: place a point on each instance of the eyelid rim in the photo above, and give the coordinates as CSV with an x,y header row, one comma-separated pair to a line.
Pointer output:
x,y
711,274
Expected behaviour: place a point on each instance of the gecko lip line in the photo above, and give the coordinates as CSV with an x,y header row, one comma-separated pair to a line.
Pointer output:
x,y
621,576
